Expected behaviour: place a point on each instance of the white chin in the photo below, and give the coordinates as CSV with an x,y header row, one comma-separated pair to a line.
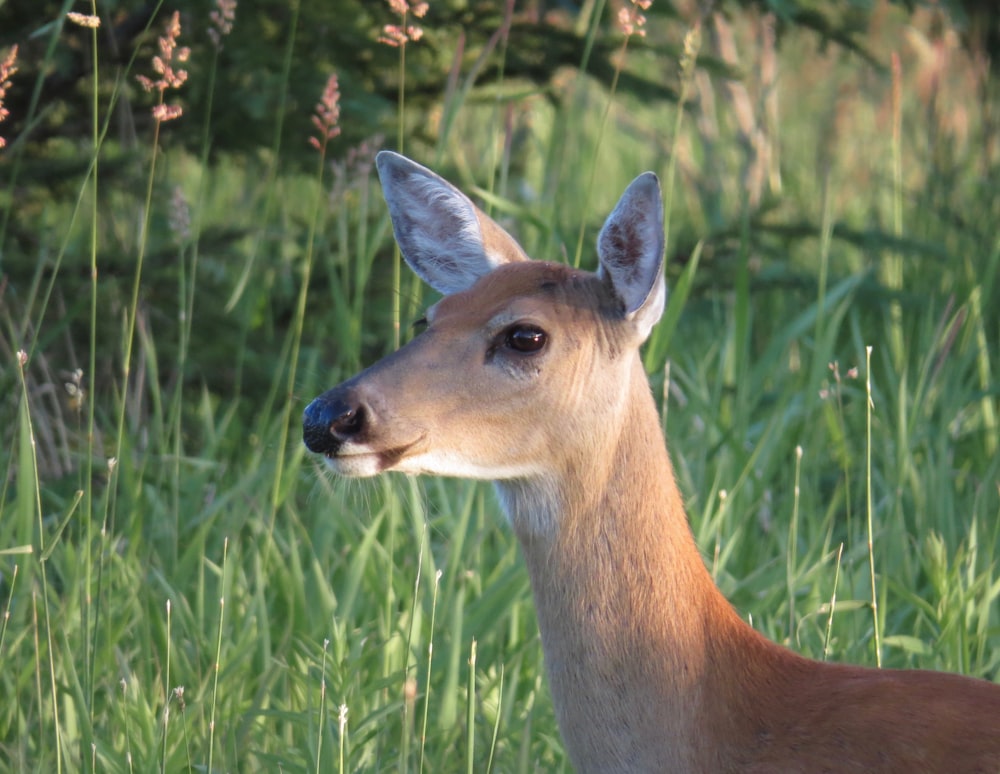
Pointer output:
x,y
355,465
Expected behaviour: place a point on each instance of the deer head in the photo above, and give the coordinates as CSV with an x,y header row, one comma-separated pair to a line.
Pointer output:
x,y
514,352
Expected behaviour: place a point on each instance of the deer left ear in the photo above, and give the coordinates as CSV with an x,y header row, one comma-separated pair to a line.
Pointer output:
x,y
630,251
448,241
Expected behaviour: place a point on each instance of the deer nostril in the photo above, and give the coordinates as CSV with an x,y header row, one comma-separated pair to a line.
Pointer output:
x,y
348,423
328,422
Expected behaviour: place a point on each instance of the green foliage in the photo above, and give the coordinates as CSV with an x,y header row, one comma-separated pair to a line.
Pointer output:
x,y
185,589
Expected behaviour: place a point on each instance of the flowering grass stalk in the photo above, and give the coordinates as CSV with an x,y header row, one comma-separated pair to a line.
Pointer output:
x,y
397,36
163,65
631,22
186,224
272,171
88,618
169,78
689,58
325,120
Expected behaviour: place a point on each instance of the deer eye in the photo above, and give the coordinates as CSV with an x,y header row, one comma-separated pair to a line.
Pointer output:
x,y
526,339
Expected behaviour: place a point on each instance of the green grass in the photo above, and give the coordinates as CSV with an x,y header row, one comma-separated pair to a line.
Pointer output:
x,y
216,600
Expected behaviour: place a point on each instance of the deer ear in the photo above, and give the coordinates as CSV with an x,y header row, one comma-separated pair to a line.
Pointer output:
x,y
448,241
630,251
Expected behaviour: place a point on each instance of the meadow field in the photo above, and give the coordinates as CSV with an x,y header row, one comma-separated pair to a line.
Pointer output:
x,y
189,257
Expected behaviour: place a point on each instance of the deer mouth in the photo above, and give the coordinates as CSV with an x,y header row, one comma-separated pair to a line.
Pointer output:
x,y
361,460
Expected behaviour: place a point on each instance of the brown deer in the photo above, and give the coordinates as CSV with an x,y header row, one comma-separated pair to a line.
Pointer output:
x,y
528,374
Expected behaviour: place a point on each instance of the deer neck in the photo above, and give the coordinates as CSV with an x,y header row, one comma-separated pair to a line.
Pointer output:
x,y
633,628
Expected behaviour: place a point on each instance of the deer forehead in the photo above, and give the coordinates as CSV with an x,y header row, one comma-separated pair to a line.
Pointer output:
x,y
532,291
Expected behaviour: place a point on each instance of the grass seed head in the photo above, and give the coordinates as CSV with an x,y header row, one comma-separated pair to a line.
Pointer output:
x,y
222,19
631,19
84,20
326,119
7,69
397,35
171,77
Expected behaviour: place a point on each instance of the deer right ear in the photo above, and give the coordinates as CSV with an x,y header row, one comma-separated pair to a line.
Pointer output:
x,y
448,241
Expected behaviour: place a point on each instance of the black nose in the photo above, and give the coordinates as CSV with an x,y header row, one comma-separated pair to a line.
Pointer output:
x,y
329,421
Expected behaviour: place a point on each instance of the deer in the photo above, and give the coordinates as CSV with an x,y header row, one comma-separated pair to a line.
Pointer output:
x,y
527,373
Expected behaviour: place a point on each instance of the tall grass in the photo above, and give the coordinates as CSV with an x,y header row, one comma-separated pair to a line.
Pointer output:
x,y
184,589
